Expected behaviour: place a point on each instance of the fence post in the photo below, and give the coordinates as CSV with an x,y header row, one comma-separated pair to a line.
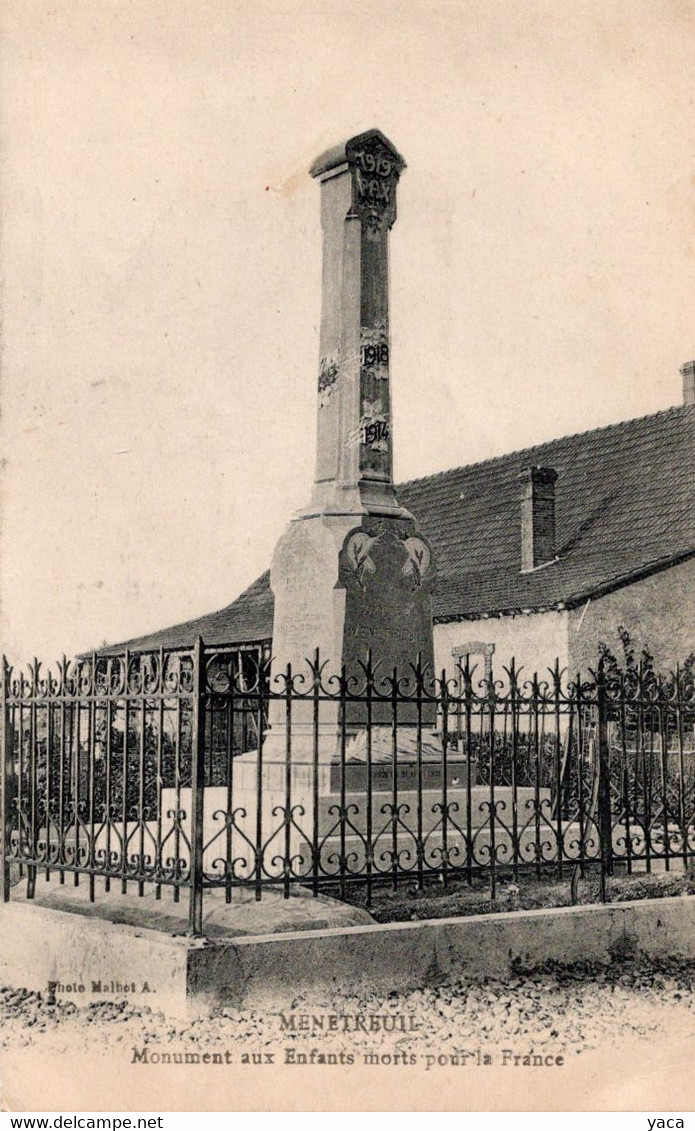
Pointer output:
x,y
195,914
605,820
6,780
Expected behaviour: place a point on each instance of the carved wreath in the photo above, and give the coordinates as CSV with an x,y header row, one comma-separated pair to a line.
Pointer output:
x,y
418,560
357,554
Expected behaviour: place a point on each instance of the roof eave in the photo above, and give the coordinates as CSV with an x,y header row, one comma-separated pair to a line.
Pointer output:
x,y
639,574
575,599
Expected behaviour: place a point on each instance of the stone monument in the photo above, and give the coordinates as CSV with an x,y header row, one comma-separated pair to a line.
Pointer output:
x,y
352,573
351,577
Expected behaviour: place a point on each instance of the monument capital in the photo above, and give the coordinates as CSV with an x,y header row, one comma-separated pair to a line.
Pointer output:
x,y
374,165
340,154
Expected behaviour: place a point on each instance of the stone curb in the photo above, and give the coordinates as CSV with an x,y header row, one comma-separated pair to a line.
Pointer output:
x,y
189,977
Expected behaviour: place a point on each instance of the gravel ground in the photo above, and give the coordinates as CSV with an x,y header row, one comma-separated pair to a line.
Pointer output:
x,y
558,1010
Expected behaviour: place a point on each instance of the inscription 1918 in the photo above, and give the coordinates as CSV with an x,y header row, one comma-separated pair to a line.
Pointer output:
x,y
373,355
374,348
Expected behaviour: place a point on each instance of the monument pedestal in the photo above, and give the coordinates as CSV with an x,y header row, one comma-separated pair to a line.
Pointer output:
x,y
347,588
360,590
335,830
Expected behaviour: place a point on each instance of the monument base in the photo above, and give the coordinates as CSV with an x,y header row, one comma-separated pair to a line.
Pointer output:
x,y
326,742
365,830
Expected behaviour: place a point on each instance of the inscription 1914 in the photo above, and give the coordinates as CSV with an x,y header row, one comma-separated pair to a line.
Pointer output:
x,y
375,434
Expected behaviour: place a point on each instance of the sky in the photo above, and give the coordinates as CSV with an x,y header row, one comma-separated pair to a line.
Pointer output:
x,y
161,271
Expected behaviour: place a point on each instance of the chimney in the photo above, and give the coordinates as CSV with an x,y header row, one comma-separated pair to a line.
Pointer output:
x,y
537,517
688,375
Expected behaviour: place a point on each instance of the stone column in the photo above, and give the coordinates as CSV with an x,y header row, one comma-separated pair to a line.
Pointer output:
x,y
352,573
354,471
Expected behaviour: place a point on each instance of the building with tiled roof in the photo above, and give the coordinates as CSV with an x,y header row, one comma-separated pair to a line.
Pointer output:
x,y
542,553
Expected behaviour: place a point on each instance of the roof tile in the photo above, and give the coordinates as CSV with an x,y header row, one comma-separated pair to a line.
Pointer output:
x,y
624,507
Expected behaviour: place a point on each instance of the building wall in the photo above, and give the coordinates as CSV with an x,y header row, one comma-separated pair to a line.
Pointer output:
x,y
659,613
534,640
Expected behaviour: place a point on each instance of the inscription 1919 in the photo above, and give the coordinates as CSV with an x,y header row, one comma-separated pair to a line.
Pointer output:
x,y
380,162
376,174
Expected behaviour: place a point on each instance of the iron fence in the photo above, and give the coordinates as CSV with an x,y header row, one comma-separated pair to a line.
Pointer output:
x,y
192,770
